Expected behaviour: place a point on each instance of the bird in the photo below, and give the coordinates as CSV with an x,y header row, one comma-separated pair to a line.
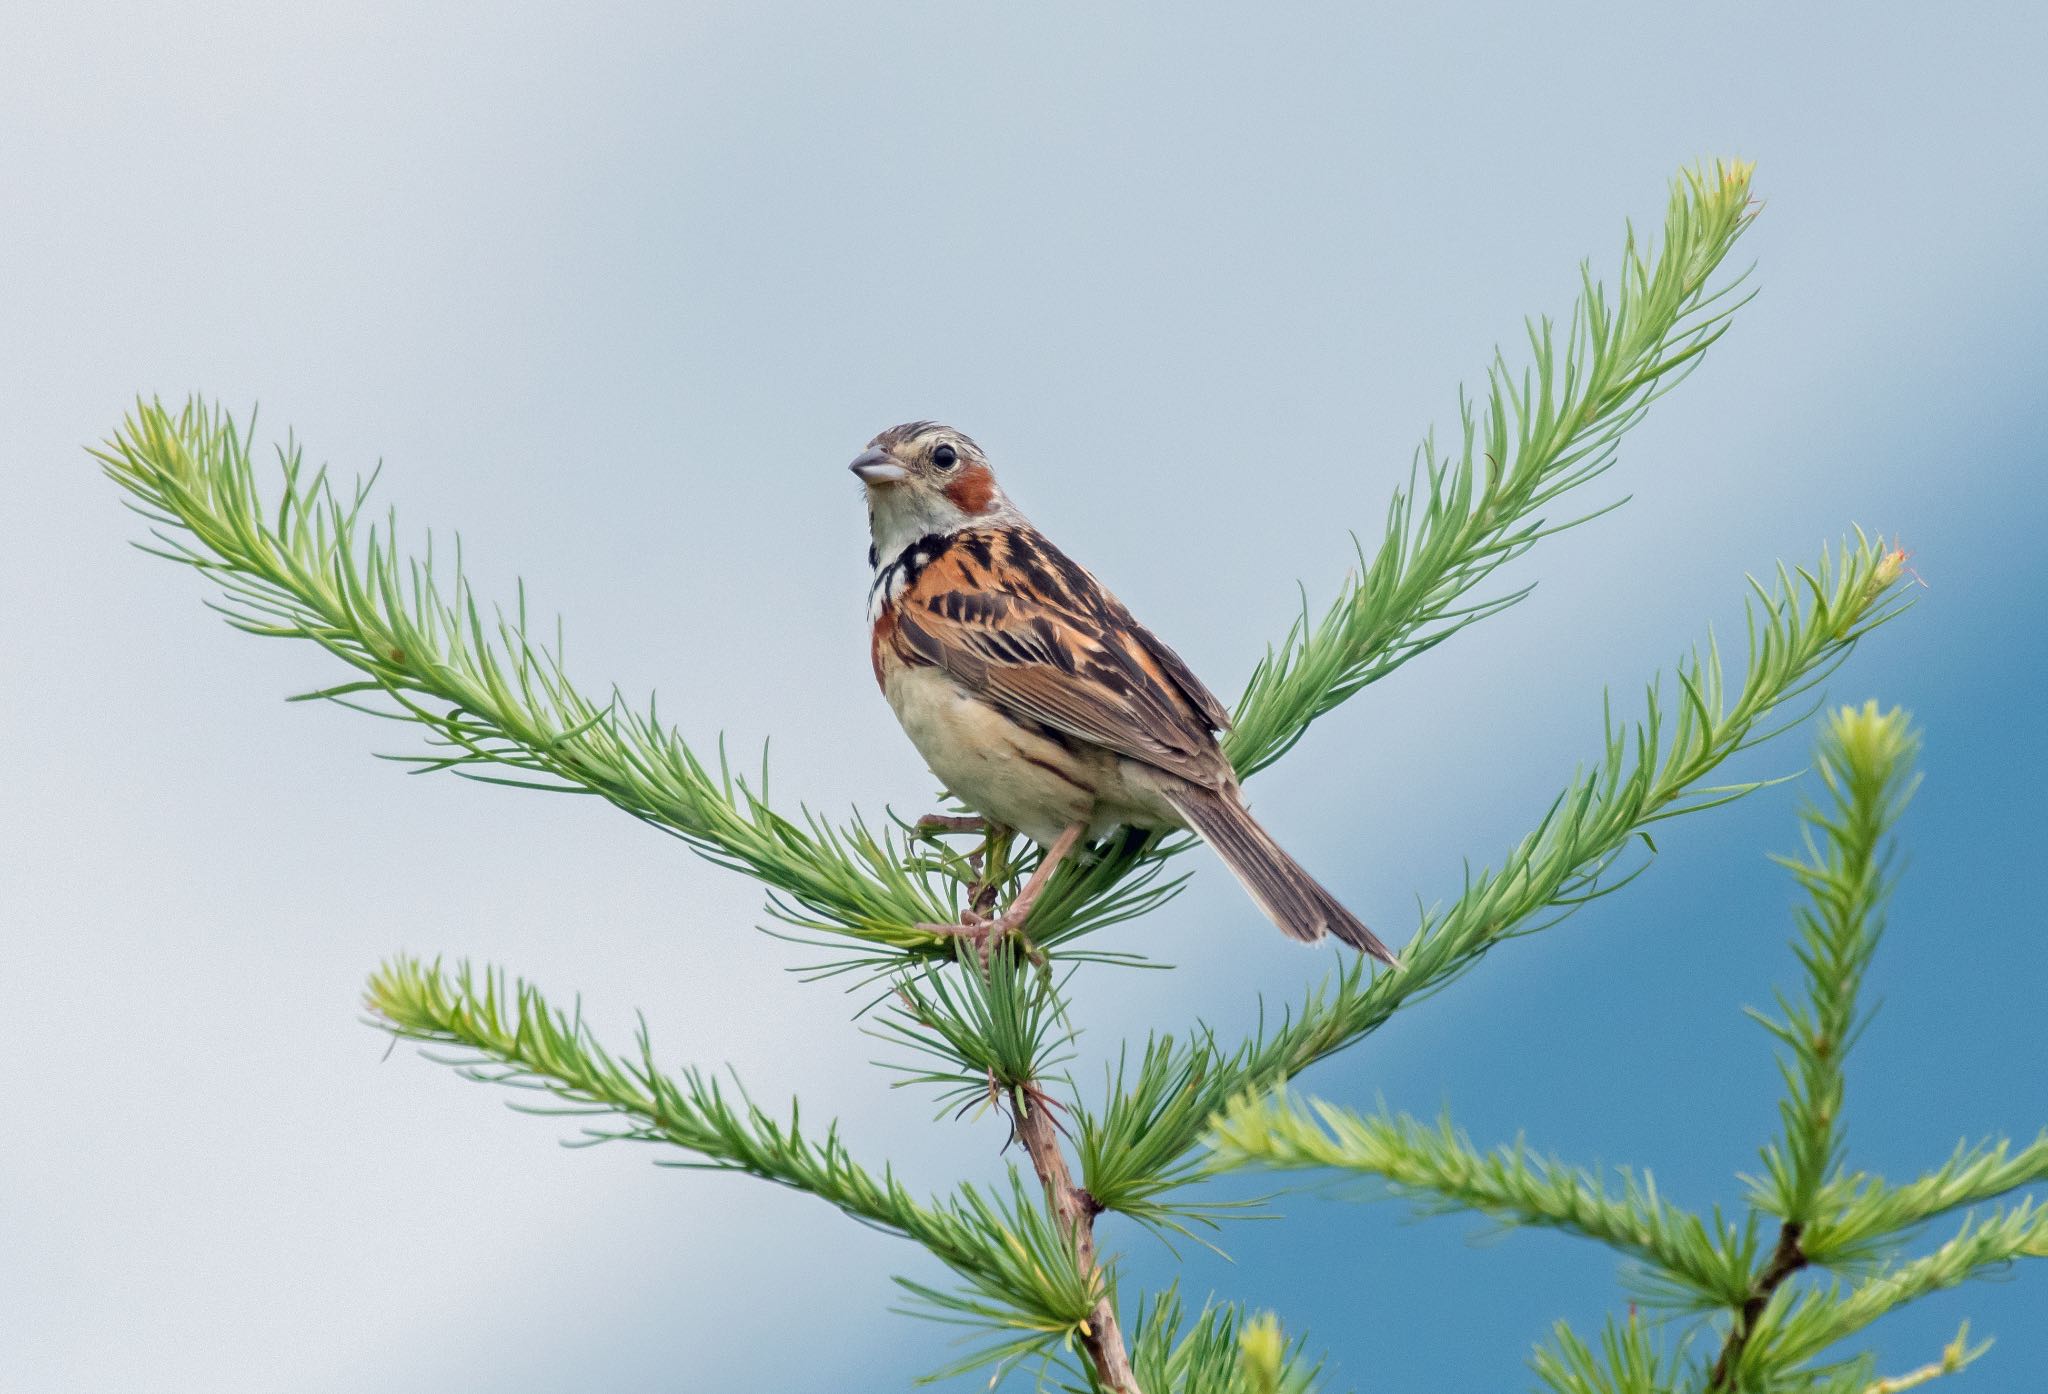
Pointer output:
x,y
1037,699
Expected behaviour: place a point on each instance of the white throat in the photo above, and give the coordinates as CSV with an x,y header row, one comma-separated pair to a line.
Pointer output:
x,y
899,516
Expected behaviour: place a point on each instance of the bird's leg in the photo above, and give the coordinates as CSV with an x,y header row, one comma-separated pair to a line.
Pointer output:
x,y
1014,914
991,862
986,933
933,826
987,862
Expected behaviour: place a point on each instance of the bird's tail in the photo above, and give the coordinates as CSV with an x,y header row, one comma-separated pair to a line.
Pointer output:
x,y
1291,898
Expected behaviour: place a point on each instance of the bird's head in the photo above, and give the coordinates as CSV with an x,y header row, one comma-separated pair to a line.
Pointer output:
x,y
926,478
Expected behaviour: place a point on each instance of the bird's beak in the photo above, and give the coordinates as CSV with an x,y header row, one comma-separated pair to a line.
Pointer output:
x,y
875,467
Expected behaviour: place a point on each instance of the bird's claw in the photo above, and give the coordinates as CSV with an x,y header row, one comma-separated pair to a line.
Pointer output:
x,y
985,932
978,928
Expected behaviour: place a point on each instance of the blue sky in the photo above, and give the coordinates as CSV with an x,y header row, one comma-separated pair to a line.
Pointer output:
x,y
618,292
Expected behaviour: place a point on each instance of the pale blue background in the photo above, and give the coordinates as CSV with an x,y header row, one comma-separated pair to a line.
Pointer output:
x,y
618,290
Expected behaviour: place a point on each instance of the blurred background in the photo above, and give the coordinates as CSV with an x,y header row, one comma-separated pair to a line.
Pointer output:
x,y
617,291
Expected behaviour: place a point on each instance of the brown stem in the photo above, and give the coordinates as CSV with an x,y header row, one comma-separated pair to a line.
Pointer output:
x,y
1788,1258
1076,1210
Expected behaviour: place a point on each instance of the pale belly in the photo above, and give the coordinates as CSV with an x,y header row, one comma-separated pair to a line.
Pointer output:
x,y
1012,775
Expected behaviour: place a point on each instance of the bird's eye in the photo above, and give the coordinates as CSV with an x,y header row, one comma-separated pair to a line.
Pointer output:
x,y
945,457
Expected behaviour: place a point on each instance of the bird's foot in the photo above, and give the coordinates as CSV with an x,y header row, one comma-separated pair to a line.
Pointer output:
x,y
986,864
985,932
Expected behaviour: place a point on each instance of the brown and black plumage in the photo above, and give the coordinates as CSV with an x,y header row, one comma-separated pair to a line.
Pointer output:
x,y
1036,696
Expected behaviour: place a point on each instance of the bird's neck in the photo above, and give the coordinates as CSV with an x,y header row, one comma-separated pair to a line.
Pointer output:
x,y
899,517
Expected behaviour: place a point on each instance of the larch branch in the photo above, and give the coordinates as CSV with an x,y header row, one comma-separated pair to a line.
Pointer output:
x,y
1076,1210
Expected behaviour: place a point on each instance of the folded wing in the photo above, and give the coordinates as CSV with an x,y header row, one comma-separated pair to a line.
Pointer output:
x,y
1007,615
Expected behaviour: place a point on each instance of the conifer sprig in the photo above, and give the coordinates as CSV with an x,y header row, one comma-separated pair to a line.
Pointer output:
x,y
977,1035
1844,875
1019,1271
490,694
1439,1171
1872,1212
1545,430
1648,772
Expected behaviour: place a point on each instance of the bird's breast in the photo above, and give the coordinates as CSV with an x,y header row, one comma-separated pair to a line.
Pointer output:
x,y
1020,777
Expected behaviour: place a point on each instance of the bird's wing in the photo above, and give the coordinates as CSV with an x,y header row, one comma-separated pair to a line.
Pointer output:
x,y
1007,615
1167,667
